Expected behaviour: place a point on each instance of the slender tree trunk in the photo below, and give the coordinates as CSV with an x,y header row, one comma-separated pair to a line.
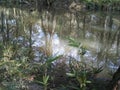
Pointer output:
x,y
30,42
2,27
115,82
8,32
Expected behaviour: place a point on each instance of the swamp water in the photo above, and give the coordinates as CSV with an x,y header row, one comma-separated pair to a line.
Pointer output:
x,y
98,32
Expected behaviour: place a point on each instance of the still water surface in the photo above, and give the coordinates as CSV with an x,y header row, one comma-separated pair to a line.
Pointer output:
x,y
98,32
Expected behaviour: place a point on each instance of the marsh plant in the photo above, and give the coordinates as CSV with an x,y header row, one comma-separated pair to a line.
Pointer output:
x,y
44,81
46,70
14,73
80,73
79,70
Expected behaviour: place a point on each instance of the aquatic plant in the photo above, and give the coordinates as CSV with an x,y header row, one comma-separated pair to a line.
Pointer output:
x,y
46,76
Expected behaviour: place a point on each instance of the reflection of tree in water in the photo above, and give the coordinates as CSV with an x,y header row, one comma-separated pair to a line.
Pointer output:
x,y
80,25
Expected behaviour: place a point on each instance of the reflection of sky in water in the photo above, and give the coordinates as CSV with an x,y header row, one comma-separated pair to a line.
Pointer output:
x,y
112,66
11,22
38,36
60,47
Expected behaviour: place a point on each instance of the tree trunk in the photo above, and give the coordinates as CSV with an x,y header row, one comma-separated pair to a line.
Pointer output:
x,y
115,82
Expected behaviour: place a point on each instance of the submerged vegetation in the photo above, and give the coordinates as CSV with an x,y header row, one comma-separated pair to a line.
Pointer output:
x,y
29,59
